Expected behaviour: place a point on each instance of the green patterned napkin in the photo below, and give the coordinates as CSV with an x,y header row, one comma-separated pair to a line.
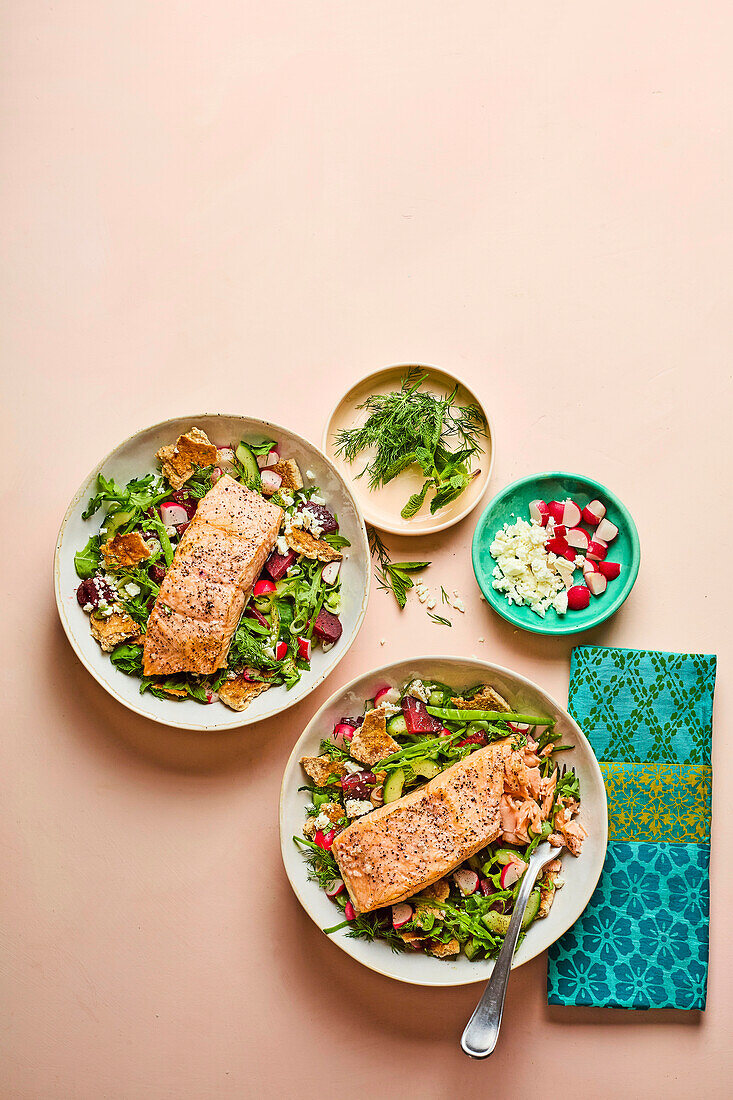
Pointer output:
x,y
642,942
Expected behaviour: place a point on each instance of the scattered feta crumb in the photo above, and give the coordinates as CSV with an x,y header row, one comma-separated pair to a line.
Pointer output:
x,y
390,709
281,545
525,572
418,690
351,767
559,882
357,807
132,589
458,604
323,821
88,607
316,499
287,500
431,603
309,474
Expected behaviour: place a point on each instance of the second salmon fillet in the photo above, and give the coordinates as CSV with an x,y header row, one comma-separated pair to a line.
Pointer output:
x,y
404,846
209,580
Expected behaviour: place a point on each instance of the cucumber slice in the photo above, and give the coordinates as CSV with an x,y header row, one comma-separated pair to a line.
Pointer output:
x,y
533,906
251,470
498,923
428,769
436,698
506,855
393,786
471,948
113,523
397,725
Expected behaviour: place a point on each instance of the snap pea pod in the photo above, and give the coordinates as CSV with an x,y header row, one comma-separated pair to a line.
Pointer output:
x,y
453,714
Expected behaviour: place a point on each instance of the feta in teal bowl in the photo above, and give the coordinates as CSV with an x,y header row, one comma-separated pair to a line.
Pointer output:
x,y
532,562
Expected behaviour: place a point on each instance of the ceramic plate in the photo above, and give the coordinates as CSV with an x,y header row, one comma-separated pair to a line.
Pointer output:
x,y
381,507
581,873
136,456
513,503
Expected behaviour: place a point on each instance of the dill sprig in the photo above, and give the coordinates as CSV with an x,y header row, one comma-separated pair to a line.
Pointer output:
x,y
392,576
413,427
439,619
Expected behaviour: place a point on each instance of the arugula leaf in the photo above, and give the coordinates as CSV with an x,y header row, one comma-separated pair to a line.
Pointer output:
x,y
86,561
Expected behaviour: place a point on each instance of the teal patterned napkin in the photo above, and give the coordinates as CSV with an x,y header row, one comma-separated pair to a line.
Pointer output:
x,y
642,942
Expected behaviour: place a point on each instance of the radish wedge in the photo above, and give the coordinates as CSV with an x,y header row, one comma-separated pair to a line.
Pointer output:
x,y
343,731
281,650
571,515
386,694
334,888
594,512
539,511
401,914
330,572
590,567
556,546
597,550
304,648
466,881
349,911
557,508
271,480
511,873
172,514
596,583
578,538
606,531
263,588
578,597
609,569
263,461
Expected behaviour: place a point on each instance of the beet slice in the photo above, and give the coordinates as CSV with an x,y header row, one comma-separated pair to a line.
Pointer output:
x,y
326,519
277,565
417,718
327,626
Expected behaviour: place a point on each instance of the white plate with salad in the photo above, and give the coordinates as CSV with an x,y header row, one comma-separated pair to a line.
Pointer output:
x,y
211,571
387,759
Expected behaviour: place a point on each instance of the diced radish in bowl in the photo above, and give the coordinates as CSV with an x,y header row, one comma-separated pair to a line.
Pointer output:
x,y
571,514
263,461
304,648
559,530
466,881
539,511
386,694
596,583
589,567
271,480
173,514
330,572
609,569
606,531
277,565
401,914
597,550
263,587
281,650
594,512
578,538
556,546
335,888
557,510
578,597
569,554
349,911
511,873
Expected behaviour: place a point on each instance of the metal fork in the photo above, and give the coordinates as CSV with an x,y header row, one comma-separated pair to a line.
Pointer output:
x,y
482,1030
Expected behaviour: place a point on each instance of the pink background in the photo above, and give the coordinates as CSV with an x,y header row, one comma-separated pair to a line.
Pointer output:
x,y
243,207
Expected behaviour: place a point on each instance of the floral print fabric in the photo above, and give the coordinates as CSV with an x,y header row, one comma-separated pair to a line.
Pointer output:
x,y
642,942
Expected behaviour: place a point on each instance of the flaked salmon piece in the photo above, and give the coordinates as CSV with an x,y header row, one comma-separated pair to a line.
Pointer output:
x,y
517,814
209,580
404,846
572,832
547,794
519,779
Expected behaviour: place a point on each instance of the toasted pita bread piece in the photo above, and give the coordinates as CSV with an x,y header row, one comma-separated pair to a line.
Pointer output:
x,y
117,628
333,811
303,542
485,699
179,693
289,471
371,742
239,693
442,950
124,551
321,768
412,939
179,459
438,890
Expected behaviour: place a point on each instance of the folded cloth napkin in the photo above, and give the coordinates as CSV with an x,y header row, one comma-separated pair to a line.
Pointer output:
x,y
642,942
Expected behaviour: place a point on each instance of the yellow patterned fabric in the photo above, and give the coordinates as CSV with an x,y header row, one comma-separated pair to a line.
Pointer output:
x,y
666,802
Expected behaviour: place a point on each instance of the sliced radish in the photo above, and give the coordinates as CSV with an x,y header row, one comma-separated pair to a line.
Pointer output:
x,y
519,727
330,572
281,650
401,914
606,531
609,569
349,911
466,881
216,474
304,648
263,588
557,509
556,546
511,873
324,840
578,597
386,694
578,538
173,514
594,512
335,888
597,550
539,511
486,887
343,731
571,515
263,461
596,583
271,480
589,567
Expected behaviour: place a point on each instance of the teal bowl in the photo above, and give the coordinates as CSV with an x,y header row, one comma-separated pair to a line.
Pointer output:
x,y
513,503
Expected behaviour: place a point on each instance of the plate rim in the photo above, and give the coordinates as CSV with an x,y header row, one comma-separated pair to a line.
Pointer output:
x,y
292,761
566,627
238,720
490,435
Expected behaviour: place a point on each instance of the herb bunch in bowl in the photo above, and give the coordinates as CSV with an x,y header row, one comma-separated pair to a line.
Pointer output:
x,y
414,427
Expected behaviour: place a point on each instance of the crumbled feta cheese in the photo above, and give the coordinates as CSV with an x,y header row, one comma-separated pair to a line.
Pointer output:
x,y
323,821
525,572
88,607
458,604
559,882
390,709
132,589
281,545
357,807
422,591
316,499
309,474
431,603
351,767
287,500
418,690
325,646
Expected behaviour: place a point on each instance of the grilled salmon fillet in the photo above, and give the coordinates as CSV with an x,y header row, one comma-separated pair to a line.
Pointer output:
x,y
404,846
209,581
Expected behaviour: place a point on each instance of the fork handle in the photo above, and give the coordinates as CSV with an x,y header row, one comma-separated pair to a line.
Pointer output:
x,y
482,1030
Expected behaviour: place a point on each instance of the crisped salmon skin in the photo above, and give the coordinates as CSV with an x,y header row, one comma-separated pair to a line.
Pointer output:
x,y
209,580
404,846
